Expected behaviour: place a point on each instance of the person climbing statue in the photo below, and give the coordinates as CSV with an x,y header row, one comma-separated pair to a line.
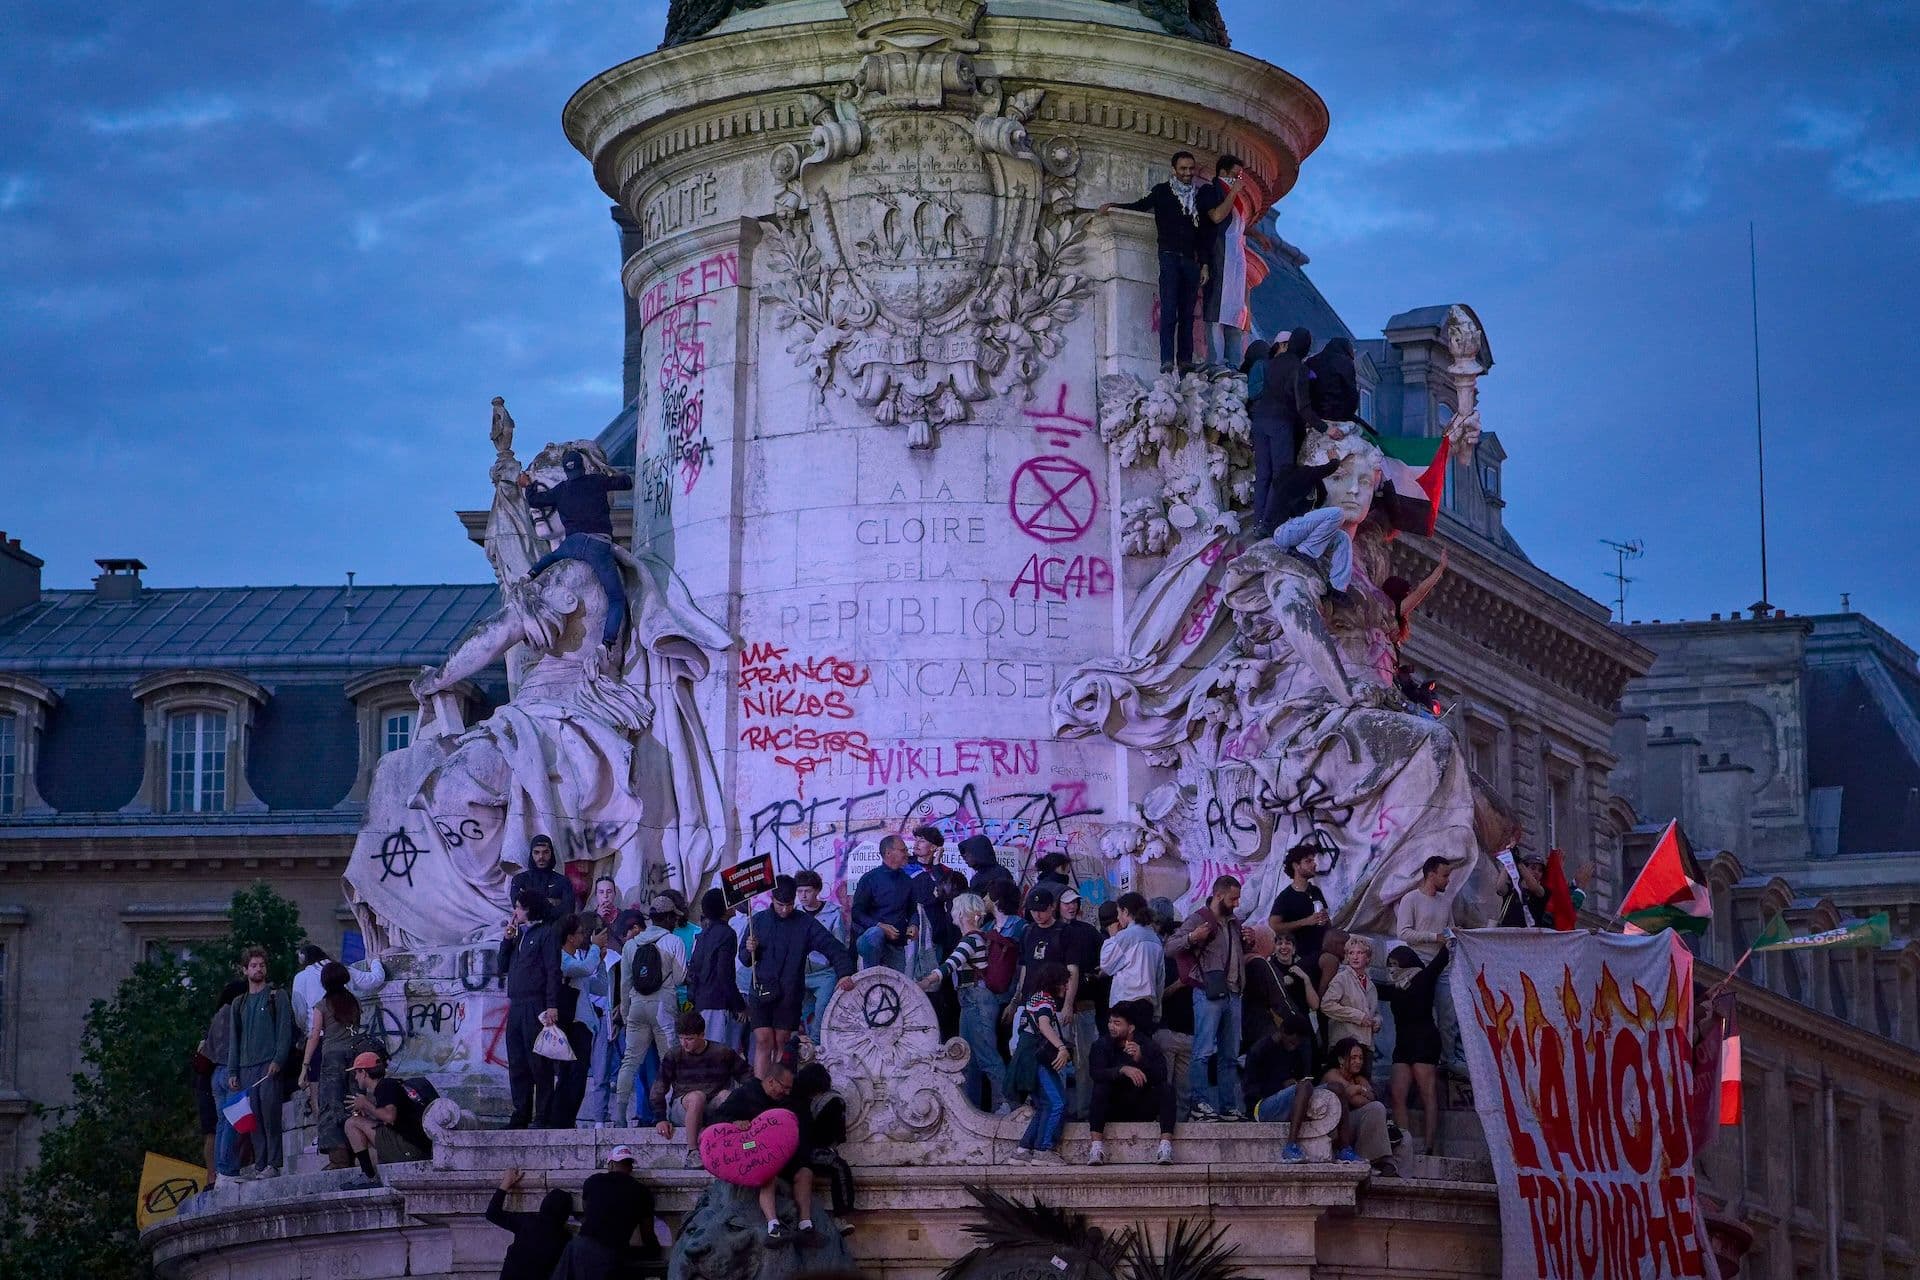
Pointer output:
x,y
586,514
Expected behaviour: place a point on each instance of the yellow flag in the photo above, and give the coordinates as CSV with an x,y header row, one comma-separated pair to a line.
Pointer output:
x,y
164,1184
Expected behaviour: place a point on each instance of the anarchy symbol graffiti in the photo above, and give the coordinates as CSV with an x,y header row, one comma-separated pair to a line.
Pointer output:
x,y
169,1195
397,856
880,1007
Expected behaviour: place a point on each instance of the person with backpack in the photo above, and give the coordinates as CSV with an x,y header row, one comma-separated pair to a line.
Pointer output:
x,y
970,968
652,966
215,1052
825,1128
387,1124
776,946
821,978
261,1028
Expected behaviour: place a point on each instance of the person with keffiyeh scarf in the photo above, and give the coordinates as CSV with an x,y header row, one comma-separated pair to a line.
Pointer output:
x,y
1184,234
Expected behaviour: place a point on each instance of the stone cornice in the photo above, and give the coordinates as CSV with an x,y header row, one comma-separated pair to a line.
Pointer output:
x,y
1523,626
1799,1024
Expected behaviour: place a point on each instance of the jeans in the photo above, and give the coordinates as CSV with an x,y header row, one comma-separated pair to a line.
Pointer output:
x,y
265,1093
1179,290
1216,1036
980,1028
226,1143
1278,1109
650,1021
1225,345
1049,1110
597,554
820,985
875,951
609,1047
1081,1034
529,1075
1277,485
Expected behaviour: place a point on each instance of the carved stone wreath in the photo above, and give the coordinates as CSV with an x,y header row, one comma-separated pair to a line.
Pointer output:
x,y
923,251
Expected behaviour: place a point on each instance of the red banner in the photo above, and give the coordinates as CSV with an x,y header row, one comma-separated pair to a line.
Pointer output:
x,y
1580,1048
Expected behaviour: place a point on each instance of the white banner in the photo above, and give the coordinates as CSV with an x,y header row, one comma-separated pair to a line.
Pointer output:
x,y
1581,1052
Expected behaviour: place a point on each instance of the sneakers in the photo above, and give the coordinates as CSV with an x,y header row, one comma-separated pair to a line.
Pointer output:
x,y
271,1171
1292,1154
780,1233
1097,1152
808,1233
1202,1111
1386,1169
1020,1155
1395,1135
1046,1157
1163,1154
1348,1156
691,1160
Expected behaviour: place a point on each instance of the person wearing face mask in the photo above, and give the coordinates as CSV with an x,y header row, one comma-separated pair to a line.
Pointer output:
x,y
1281,415
586,513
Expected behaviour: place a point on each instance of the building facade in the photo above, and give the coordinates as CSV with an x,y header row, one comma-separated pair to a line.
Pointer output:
x,y
160,749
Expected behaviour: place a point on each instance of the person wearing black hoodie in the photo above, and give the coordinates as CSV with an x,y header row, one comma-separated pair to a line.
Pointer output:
x,y
539,1238
711,986
543,874
977,852
777,943
530,957
1281,416
1333,385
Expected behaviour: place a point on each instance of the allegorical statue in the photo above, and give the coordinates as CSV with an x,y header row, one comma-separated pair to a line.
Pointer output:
x,y
599,746
1273,694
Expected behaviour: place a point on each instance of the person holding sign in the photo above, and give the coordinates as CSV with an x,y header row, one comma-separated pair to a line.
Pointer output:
x,y
776,946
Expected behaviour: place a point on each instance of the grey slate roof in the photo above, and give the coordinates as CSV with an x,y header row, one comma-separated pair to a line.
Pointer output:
x,y
241,627
1851,743
1286,298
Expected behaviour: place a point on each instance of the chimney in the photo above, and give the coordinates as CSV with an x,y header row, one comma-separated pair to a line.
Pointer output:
x,y
19,576
119,580
631,370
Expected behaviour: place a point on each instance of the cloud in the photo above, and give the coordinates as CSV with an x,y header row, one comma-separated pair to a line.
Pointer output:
x,y
17,190
1464,120
187,114
1865,168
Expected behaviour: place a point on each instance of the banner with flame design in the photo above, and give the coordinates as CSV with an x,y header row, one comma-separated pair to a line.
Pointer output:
x,y
1581,1052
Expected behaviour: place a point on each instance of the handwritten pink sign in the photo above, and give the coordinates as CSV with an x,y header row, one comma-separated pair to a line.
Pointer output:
x,y
750,1155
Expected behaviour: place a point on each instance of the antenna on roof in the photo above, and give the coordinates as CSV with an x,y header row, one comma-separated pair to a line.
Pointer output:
x,y
349,600
1760,607
1623,552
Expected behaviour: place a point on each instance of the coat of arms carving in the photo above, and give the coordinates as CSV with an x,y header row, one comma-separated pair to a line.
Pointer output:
x,y
924,250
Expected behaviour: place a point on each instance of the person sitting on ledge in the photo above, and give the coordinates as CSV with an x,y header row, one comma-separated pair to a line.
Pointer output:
x,y
1363,1128
883,909
587,516
1130,1080
1280,1079
774,1091
695,1075
385,1127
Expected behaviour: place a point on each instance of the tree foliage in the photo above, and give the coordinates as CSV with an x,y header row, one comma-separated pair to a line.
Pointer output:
x,y
72,1214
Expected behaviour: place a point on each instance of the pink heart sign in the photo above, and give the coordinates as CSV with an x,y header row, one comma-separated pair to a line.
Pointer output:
x,y
750,1156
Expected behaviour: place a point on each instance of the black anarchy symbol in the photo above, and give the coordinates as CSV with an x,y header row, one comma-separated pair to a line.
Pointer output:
x,y
397,855
880,1007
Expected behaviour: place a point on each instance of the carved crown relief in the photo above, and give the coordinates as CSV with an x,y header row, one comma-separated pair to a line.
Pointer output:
x,y
923,250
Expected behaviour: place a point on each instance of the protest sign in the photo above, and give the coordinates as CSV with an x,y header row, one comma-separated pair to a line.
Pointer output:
x,y
742,881
1580,1049
165,1184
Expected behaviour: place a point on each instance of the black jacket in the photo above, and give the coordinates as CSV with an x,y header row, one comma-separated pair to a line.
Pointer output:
x,y
934,889
552,884
531,962
1284,403
710,981
1412,1004
538,1238
784,946
1333,387
1106,1059
582,501
1176,232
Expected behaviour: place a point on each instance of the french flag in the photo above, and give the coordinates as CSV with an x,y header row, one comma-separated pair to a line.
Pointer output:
x,y
239,1113
1730,1076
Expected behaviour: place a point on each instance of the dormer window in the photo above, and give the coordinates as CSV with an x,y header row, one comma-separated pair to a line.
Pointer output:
x,y
199,723
389,719
24,703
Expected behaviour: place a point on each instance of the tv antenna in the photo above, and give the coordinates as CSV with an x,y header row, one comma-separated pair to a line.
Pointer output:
x,y
1623,552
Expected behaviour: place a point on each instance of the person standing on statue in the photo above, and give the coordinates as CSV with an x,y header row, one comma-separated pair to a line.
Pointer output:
x,y
883,909
530,957
821,979
1281,415
1217,944
543,875
1223,295
261,1033
587,516
776,945
1300,911
1182,237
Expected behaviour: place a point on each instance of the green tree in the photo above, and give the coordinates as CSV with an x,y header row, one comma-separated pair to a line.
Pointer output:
x,y
72,1214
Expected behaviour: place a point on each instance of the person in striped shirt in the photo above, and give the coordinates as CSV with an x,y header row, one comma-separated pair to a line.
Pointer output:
x,y
966,969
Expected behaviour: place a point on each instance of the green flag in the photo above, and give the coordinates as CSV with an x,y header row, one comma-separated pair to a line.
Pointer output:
x,y
1874,931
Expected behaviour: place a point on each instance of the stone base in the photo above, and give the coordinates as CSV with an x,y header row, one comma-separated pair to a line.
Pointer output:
x,y
1318,1219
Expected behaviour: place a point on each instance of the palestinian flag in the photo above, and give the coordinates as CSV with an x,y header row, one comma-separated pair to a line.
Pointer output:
x,y
1874,931
1414,481
1668,894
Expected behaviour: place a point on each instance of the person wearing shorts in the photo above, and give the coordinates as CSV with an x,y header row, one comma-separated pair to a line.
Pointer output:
x,y
386,1124
696,1074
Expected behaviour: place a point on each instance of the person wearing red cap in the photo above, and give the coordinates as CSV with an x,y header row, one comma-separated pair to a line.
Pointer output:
x,y
386,1124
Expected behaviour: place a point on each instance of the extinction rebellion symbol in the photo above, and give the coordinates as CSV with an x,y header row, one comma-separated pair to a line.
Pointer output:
x,y
1053,498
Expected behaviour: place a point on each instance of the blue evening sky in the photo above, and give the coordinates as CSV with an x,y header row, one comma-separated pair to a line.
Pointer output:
x,y
262,266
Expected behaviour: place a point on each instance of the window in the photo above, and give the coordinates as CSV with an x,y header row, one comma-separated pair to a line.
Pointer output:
x,y
397,732
196,762
159,950
9,763
1490,480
